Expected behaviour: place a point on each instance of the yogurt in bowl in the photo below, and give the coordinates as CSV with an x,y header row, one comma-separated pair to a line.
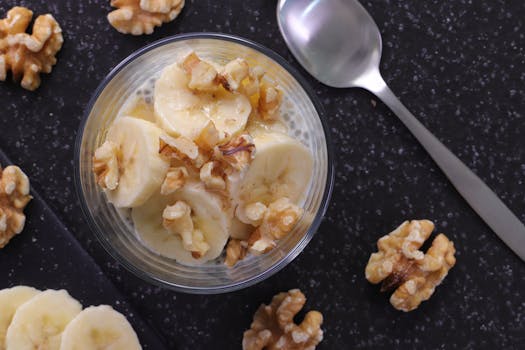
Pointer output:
x,y
212,168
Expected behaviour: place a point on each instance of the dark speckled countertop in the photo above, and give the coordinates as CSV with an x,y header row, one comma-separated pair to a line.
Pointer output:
x,y
459,66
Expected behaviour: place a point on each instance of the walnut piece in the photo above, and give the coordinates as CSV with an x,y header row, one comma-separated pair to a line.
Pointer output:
x,y
26,56
209,136
212,176
278,219
203,76
177,220
400,265
236,250
14,196
183,149
175,179
105,165
139,17
251,86
273,325
237,153
233,73
252,213
269,102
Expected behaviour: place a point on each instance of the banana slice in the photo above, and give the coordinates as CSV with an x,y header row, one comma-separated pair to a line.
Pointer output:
x,y
207,214
39,322
99,327
282,167
183,112
10,300
141,168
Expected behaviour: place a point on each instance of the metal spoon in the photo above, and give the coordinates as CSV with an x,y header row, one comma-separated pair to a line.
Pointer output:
x,y
340,45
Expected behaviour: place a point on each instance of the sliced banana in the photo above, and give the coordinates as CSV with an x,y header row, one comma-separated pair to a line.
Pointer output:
x,y
142,169
207,214
39,322
282,167
97,328
183,112
10,300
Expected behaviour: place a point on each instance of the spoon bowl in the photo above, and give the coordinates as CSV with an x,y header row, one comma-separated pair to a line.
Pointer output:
x,y
336,41
340,45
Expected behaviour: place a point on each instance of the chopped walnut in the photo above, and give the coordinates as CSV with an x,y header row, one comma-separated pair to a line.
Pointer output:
x,y
235,251
258,243
212,176
233,73
269,102
180,148
105,165
183,149
203,76
279,220
26,56
177,220
255,211
139,17
400,265
251,86
252,213
14,196
237,153
209,136
273,325
175,179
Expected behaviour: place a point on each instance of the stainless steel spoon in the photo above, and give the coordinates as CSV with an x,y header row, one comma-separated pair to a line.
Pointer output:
x,y
340,45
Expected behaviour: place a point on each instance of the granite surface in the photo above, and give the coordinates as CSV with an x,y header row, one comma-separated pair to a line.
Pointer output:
x,y
457,65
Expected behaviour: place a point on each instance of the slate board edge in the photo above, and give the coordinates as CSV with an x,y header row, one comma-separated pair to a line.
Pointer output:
x,y
4,160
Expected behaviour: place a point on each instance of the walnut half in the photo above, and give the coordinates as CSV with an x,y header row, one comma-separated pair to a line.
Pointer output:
x,y
177,220
400,265
273,325
275,221
26,56
14,196
139,17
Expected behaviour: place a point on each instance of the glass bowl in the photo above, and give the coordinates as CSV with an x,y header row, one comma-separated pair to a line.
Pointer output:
x,y
116,233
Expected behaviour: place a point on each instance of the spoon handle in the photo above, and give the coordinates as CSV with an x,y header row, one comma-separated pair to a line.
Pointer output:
x,y
480,197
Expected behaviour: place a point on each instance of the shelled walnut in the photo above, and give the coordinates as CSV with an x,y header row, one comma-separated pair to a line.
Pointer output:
x,y
400,265
183,149
105,165
236,250
269,102
175,179
14,196
202,75
139,17
279,219
26,56
233,73
237,153
274,222
273,325
177,220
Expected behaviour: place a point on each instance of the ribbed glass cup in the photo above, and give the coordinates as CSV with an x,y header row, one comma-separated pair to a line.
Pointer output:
x,y
302,112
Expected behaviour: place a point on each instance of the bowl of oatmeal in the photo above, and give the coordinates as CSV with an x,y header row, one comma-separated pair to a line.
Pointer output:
x,y
203,163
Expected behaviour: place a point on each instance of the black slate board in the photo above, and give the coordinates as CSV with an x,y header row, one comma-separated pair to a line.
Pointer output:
x,y
46,255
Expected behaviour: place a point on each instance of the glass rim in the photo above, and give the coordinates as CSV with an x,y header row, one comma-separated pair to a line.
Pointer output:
x,y
286,259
